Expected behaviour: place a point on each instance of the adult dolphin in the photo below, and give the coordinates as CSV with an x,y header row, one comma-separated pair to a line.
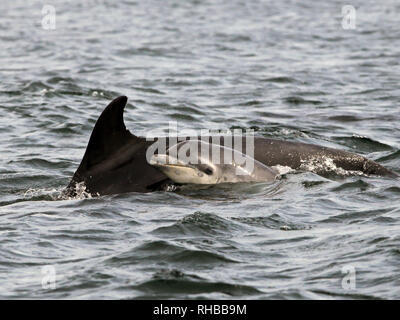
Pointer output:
x,y
115,159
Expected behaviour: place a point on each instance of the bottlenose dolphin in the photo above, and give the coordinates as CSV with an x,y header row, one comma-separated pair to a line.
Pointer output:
x,y
115,159
199,162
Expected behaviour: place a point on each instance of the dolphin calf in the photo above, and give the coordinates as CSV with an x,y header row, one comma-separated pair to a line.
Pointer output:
x,y
115,159
199,162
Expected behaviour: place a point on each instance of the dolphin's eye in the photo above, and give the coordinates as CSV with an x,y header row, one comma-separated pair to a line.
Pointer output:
x,y
206,169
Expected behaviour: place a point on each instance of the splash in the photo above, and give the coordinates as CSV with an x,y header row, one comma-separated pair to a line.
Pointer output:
x,y
34,193
327,165
283,169
170,188
79,192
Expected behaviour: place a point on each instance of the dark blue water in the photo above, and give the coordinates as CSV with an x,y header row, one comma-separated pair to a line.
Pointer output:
x,y
287,69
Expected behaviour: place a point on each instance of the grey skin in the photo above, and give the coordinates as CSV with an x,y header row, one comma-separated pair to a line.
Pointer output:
x,y
115,159
198,162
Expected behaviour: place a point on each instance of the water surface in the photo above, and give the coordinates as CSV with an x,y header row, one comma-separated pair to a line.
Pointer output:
x,y
286,69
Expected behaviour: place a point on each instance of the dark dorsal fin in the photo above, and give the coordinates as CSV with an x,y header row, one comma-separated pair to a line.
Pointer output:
x,y
108,136
115,160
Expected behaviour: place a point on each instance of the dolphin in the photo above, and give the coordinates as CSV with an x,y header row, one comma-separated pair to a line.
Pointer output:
x,y
115,160
199,162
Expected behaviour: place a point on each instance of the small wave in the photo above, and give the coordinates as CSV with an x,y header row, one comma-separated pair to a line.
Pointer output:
x,y
42,163
354,185
357,216
299,100
198,223
345,118
273,221
148,90
174,274
36,86
362,143
252,103
162,252
189,286
280,80
62,80
393,156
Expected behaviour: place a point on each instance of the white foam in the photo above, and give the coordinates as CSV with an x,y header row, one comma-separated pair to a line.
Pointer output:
x,y
326,164
59,193
283,169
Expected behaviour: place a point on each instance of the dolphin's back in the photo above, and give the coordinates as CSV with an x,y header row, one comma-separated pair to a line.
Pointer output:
x,y
310,157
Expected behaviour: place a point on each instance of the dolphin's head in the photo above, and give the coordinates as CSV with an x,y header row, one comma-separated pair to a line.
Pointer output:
x,y
198,162
183,164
